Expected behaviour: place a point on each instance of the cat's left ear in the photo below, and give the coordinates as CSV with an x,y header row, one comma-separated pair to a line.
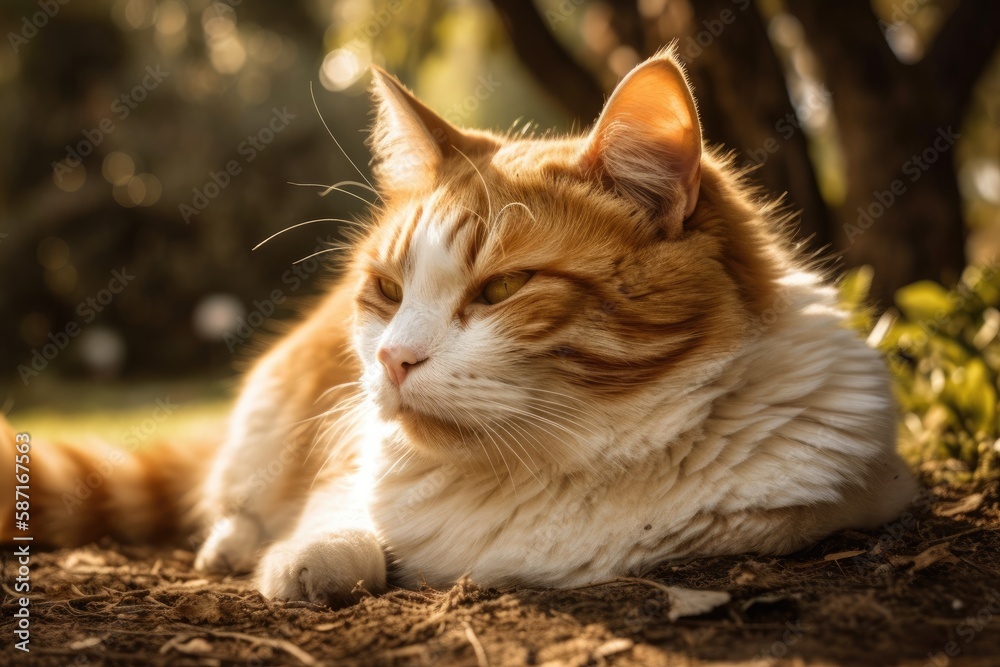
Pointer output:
x,y
647,142
410,143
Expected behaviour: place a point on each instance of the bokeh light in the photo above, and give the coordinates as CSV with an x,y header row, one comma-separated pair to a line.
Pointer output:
x,y
102,349
216,315
341,68
118,168
53,253
69,177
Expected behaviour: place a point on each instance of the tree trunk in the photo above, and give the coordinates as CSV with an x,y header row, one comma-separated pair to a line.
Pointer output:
x,y
744,105
903,210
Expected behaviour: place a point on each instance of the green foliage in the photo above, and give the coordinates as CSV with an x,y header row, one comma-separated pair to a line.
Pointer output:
x,y
944,353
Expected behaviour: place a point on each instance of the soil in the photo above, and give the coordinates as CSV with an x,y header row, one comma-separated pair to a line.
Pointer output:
x,y
910,593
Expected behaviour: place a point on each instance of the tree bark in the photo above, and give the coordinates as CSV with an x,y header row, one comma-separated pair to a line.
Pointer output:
x,y
569,83
903,210
745,105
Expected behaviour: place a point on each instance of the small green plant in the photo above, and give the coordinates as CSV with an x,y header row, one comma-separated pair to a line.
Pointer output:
x,y
944,353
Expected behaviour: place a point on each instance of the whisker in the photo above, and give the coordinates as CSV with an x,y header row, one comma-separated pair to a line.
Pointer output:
x,y
354,383
336,432
312,95
520,444
364,186
296,226
490,433
517,203
327,189
486,189
336,248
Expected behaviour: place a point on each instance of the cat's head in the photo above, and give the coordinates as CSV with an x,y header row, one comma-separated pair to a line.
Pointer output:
x,y
520,298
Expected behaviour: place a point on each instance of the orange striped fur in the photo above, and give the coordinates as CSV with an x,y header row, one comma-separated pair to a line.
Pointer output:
x,y
80,491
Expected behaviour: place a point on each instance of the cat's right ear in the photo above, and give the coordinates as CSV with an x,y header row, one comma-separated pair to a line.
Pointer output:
x,y
409,142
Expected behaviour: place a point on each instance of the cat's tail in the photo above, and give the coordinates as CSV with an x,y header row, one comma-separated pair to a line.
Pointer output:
x,y
70,493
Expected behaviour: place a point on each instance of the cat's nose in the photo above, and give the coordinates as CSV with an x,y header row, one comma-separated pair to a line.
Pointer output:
x,y
398,360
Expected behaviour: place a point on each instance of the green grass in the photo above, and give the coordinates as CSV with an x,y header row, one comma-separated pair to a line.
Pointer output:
x,y
111,411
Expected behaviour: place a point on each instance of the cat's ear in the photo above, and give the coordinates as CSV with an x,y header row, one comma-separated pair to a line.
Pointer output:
x,y
410,142
647,142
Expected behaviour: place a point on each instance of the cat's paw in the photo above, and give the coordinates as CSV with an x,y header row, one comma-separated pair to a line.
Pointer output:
x,y
230,546
322,568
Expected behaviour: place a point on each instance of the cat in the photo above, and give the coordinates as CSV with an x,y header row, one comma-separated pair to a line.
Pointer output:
x,y
551,362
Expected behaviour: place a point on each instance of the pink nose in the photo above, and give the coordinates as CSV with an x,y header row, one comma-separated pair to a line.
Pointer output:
x,y
398,360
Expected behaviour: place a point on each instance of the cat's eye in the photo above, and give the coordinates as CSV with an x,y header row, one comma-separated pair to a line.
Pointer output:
x,y
390,289
503,287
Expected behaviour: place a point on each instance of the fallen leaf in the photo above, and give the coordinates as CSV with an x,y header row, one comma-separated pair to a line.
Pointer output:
x,y
684,601
968,504
196,646
939,553
85,643
689,602
613,647
843,554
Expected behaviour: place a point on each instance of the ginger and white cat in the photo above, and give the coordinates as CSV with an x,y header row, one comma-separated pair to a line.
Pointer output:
x,y
552,362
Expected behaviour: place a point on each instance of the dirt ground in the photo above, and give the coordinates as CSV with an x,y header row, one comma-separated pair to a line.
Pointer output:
x,y
909,594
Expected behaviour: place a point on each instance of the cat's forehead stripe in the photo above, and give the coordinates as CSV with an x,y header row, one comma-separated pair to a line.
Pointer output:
x,y
461,222
432,269
445,225
404,236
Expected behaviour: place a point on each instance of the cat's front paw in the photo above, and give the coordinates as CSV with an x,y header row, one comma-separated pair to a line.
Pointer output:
x,y
230,546
322,568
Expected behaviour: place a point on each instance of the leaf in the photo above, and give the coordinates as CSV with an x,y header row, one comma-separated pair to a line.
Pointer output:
x,y
939,553
613,647
856,286
684,601
196,646
964,506
975,394
924,301
690,602
843,554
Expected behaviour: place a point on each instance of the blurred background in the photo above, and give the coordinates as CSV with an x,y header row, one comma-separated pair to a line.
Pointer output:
x,y
151,144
